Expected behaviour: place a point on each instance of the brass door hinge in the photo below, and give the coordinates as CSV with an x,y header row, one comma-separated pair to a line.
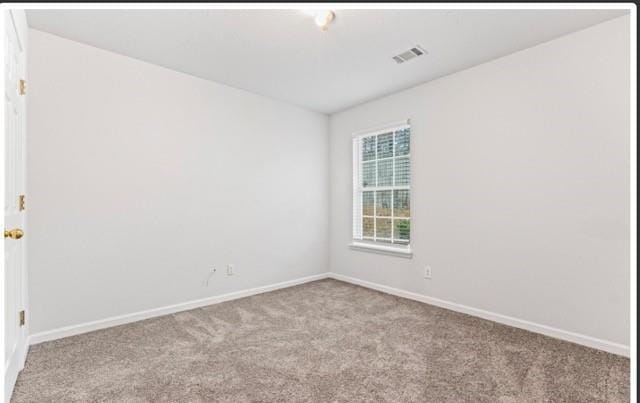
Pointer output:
x,y
21,202
22,87
22,320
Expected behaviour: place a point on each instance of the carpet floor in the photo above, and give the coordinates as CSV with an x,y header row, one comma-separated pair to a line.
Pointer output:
x,y
325,341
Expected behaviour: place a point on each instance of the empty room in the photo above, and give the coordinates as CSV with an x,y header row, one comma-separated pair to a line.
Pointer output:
x,y
319,202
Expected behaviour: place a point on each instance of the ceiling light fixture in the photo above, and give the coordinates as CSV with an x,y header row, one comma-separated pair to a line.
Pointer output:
x,y
322,18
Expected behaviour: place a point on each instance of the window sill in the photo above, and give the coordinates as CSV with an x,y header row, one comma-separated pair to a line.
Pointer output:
x,y
404,252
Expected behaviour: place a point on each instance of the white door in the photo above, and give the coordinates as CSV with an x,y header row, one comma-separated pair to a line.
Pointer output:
x,y
15,333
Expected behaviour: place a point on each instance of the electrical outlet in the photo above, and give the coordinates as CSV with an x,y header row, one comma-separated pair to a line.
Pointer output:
x,y
427,272
229,270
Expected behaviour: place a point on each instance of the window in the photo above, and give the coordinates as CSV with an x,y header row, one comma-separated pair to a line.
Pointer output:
x,y
382,189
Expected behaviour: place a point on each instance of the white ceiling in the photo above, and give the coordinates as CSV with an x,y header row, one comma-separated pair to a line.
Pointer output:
x,y
283,55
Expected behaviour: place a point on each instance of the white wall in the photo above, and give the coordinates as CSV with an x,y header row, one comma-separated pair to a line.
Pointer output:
x,y
141,178
520,185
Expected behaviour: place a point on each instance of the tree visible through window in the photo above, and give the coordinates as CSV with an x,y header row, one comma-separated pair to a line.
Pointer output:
x,y
382,178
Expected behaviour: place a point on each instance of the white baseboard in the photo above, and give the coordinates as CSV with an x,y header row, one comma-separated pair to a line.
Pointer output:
x,y
151,313
14,366
588,341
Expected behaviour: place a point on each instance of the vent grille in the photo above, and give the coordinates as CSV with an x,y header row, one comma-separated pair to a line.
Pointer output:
x,y
409,54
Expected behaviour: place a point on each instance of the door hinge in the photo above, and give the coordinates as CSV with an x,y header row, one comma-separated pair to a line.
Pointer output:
x,y
22,320
21,202
22,87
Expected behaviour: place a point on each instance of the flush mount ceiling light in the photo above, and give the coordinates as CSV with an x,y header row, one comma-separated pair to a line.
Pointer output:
x,y
322,18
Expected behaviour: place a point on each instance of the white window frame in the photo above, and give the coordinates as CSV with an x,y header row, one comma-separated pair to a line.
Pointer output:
x,y
358,241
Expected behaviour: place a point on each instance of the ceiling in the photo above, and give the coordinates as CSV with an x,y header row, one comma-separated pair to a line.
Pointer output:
x,y
283,55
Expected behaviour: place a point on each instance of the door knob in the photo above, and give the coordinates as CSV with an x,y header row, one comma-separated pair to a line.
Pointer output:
x,y
15,233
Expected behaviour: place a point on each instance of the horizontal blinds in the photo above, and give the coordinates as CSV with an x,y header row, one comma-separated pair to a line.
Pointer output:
x,y
382,185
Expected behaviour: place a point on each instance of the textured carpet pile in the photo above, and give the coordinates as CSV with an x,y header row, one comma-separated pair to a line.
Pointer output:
x,y
325,341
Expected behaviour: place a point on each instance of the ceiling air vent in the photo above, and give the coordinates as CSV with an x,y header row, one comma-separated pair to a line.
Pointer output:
x,y
409,54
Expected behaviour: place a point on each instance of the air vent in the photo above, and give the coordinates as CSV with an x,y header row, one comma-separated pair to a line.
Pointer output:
x,y
409,54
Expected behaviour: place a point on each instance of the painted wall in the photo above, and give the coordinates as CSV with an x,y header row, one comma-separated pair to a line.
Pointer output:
x,y
520,196
141,178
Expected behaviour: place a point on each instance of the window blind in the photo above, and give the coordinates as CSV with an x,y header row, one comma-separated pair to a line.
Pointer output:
x,y
382,185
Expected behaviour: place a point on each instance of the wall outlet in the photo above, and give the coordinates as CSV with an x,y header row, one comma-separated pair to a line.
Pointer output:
x,y
230,270
427,272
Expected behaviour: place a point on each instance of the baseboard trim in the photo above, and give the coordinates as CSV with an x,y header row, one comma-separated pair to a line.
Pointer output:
x,y
587,341
152,313
14,366
59,333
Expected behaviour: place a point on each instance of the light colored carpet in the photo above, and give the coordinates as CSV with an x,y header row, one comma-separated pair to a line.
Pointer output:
x,y
325,341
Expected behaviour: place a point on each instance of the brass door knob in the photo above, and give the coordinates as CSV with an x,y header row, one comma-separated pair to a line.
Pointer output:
x,y
15,233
